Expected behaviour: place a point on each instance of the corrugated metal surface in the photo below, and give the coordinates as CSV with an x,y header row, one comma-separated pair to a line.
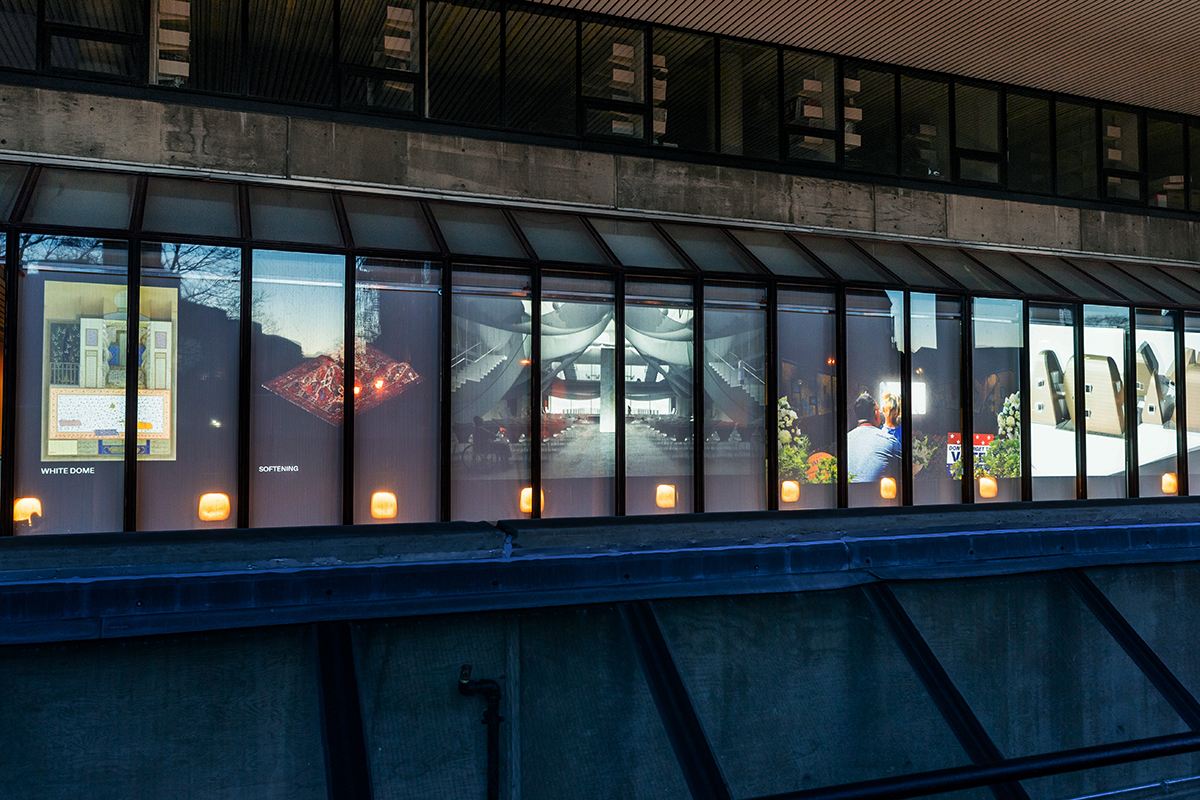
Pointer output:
x,y
1144,52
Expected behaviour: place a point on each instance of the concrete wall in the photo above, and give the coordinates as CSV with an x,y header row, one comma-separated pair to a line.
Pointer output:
x,y
81,126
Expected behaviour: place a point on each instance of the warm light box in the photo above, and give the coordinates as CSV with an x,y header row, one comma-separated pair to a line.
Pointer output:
x,y
987,486
25,508
1170,484
887,488
664,496
214,507
789,492
383,505
527,500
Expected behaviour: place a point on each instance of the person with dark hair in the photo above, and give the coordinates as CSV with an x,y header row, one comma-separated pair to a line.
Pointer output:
x,y
871,452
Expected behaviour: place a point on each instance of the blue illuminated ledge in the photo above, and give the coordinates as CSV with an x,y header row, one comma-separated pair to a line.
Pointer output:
x,y
66,587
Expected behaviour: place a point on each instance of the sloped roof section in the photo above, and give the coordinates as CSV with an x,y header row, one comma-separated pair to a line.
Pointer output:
x,y
1142,52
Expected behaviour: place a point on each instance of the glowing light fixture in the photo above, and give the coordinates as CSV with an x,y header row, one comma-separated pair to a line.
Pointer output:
x,y
1170,484
357,389
987,486
524,362
383,505
664,496
527,500
790,492
379,383
214,507
887,488
25,508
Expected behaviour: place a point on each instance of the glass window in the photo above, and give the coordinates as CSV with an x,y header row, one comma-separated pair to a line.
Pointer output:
x,y
1072,279
477,231
996,399
1076,140
684,90
1029,156
735,391
614,66
1165,162
658,398
384,34
977,118
540,63
809,90
846,261
1017,272
203,208
489,396
793,691
89,55
380,35
780,254
963,268
1128,287
936,409
18,18
290,53
874,339
924,128
1157,440
72,362
464,62
1120,139
807,396
290,215
1052,666
710,249
1172,280
1051,407
397,308
188,386
579,386
904,264
1187,375
196,45
749,100
636,243
81,198
1105,333
388,223
12,176
124,16
559,237
1194,161
608,122
297,394
870,119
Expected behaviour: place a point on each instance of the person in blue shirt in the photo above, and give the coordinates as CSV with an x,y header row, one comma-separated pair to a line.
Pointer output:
x,y
871,452
891,414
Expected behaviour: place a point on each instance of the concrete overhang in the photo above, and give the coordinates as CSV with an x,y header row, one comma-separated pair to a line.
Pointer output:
x,y
1142,53
70,587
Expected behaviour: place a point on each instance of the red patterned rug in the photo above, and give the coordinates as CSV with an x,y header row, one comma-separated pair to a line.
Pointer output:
x,y
317,384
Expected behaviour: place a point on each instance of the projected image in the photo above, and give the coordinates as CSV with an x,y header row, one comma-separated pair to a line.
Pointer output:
x,y
87,367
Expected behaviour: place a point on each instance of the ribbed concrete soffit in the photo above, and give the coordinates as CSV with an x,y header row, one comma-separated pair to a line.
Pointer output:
x,y
1142,52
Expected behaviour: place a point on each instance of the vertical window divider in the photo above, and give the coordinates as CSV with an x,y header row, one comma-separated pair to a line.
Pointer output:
x,y
782,134
133,295
717,95
906,415
12,256
1133,468
42,48
951,93
580,105
446,418
619,392
8,429
535,391
1181,466
349,350
338,73
966,385
1026,418
244,379
1002,134
1080,408
244,51
504,121
839,411
1054,182
698,370
771,412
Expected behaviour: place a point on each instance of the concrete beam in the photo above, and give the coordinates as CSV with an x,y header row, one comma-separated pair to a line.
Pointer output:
x,y
39,122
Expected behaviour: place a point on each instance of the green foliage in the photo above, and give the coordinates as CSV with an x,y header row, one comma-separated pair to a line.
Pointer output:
x,y
797,462
925,450
1003,458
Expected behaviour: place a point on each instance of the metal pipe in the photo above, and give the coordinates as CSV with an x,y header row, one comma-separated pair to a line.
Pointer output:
x,y
491,718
